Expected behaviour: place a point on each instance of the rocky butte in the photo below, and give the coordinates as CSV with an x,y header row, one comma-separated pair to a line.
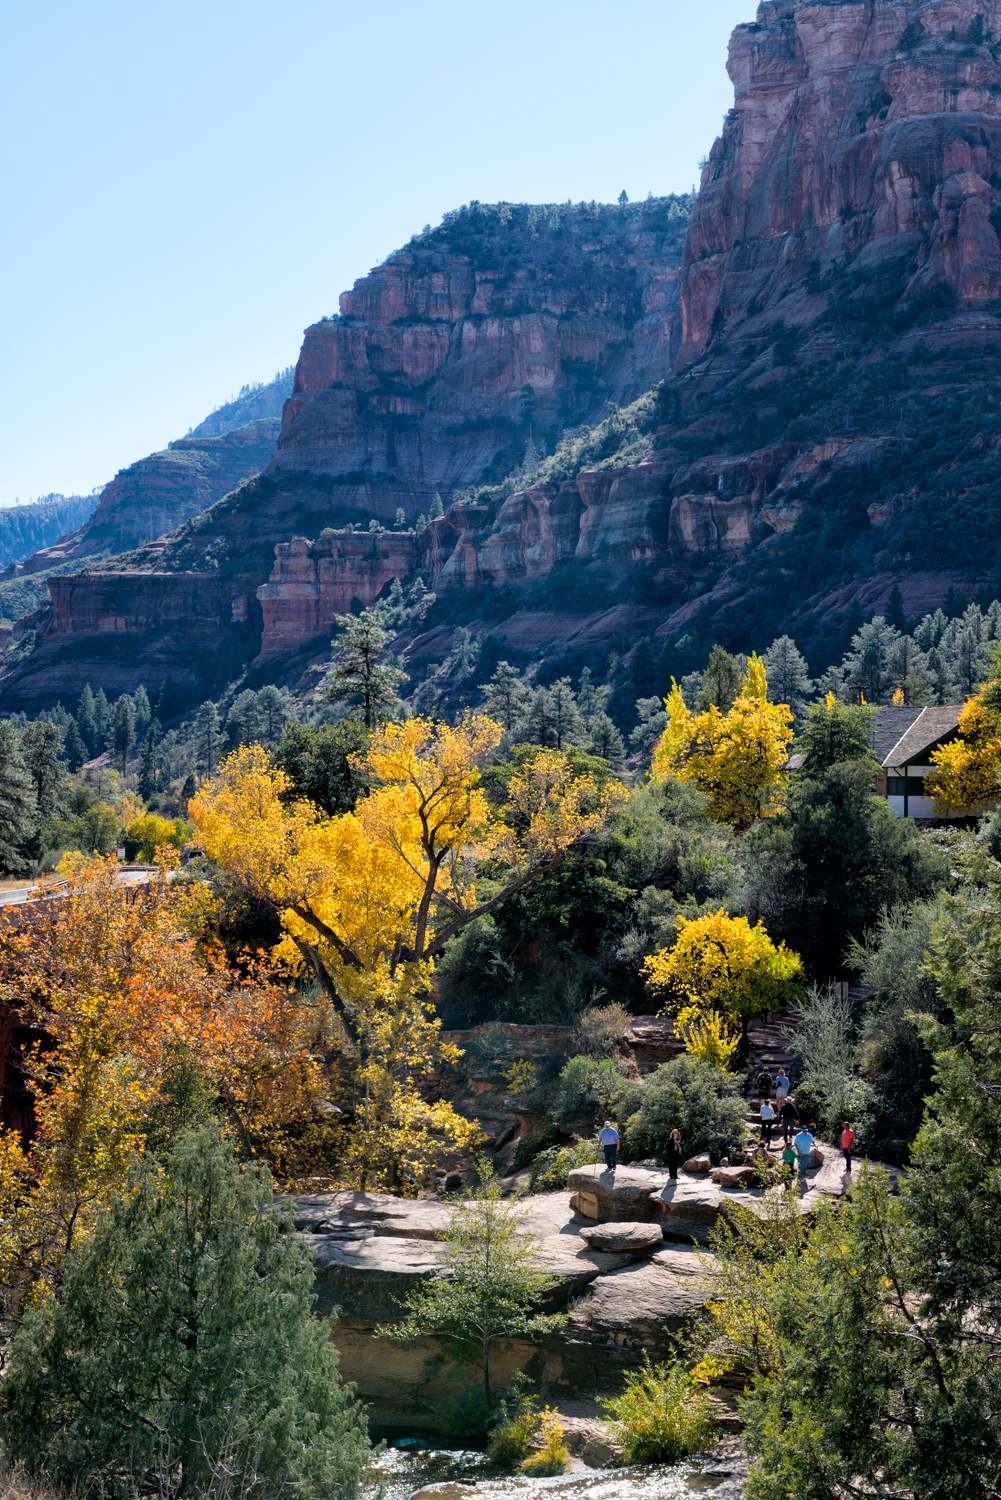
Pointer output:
x,y
822,331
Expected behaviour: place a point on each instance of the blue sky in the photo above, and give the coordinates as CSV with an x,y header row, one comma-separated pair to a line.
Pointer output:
x,y
187,186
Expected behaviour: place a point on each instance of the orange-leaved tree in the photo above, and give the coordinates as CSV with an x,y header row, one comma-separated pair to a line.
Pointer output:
x,y
368,898
118,985
735,758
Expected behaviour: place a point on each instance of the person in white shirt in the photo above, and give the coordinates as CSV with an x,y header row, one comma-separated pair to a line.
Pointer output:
x,y
767,1121
609,1138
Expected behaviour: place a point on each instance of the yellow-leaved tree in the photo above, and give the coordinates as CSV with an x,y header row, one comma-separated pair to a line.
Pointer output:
x,y
966,770
369,897
735,758
721,965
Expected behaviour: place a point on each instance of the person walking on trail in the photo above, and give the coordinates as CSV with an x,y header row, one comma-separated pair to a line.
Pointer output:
x,y
764,1085
789,1115
781,1088
609,1138
674,1152
789,1156
767,1121
847,1141
804,1145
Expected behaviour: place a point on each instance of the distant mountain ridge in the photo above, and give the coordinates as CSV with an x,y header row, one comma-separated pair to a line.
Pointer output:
x,y
823,329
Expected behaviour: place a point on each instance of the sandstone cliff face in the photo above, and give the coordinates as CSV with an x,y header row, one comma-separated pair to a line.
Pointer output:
x,y
828,342
863,136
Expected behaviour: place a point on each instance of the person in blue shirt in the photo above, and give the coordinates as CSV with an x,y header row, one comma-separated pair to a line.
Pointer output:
x,y
609,1138
804,1145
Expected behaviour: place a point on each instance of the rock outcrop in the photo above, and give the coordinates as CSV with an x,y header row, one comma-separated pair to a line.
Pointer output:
x,y
371,1248
832,310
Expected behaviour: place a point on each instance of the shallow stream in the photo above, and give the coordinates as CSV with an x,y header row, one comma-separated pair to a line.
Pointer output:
x,y
431,1469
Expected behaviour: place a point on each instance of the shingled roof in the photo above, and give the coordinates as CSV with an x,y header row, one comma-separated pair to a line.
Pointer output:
x,y
903,735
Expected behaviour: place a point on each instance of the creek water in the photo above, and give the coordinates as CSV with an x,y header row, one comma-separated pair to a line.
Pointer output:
x,y
414,1468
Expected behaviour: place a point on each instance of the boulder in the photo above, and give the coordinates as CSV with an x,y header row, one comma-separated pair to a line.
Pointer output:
x,y
698,1165
735,1177
687,1210
614,1197
635,1239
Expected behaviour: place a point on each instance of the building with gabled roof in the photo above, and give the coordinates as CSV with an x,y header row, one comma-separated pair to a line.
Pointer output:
x,y
903,740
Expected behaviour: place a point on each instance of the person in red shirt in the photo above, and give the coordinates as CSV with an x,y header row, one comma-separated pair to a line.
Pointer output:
x,y
847,1141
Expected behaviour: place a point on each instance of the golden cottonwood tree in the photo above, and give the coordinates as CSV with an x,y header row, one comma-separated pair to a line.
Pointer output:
x,y
966,771
722,965
735,758
368,898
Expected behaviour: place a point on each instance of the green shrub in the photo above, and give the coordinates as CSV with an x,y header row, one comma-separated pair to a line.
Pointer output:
x,y
661,1416
705,1103
551,1168
182,1341
516,1425
586,1083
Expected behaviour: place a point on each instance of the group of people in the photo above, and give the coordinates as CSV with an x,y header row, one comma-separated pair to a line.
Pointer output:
x,y
796,1151
785,1113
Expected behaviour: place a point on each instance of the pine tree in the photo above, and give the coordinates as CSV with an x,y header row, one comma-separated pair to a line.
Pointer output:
x,y
867,664
401,517
505,695
894,611
591,700
86,720
170,701
206,737
954,603
18,811
554,718
192,1303
188,790
102,718
122,731
243,721
606,740
148,764
653,722
142,710
74,749
363,674
41,747
437,509
643,669
275,708
720,681
788,679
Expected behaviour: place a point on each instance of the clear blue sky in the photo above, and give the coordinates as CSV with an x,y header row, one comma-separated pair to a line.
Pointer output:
x,y
187,186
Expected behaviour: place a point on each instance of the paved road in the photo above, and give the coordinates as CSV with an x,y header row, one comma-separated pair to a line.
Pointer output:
x,y
56,888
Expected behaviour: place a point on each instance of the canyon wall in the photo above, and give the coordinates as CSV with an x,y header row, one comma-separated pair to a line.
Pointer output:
x,y
825,336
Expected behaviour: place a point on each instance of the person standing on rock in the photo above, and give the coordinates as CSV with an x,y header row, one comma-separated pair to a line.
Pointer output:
x,y
609,1138
674,1152
789,1116
764,1084
767,1121
847,1141
804,1145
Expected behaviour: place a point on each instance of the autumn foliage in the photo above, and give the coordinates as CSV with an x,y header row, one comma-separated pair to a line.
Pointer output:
x,y
965,774
735,758
119,983
368,898
721,965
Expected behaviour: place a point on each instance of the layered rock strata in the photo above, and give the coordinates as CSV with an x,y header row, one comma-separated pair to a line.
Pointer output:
x,y
847,218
